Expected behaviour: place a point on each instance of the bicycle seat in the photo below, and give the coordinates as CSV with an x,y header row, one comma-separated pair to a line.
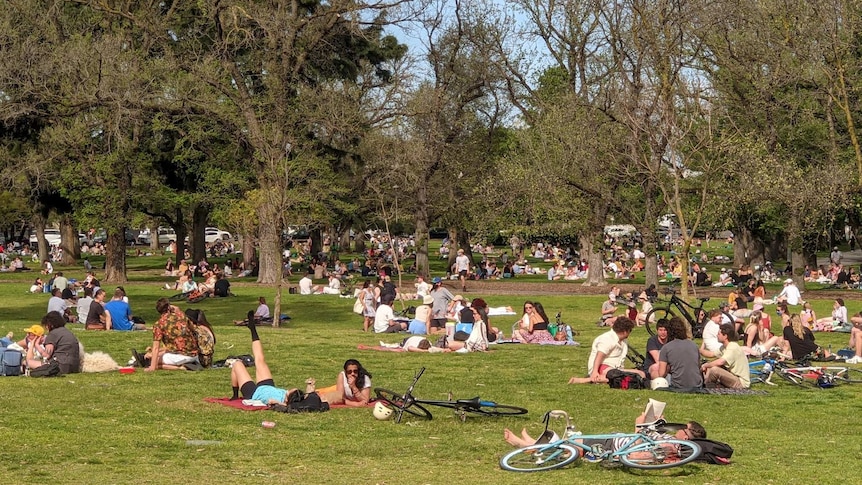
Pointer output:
x,y
703,298
473,403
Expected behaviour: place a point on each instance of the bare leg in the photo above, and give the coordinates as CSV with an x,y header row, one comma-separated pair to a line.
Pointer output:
x,y
515,440
262,371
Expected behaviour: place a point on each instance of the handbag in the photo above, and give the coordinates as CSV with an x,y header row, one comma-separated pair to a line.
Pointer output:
x,y
358,307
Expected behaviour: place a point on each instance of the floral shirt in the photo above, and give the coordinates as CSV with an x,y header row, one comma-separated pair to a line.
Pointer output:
x,y
176,333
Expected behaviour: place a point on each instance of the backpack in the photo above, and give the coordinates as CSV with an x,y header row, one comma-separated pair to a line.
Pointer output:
x,y
10,362
299,402
618,379
714,452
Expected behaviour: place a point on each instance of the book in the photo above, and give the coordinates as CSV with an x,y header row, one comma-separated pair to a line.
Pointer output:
x,y
654,410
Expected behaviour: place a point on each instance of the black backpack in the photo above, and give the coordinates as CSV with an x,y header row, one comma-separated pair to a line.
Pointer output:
x,y
618,379
714,452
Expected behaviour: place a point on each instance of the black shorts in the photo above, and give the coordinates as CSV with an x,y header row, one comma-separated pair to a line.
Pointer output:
x,y
249,387
463,273
393,328
438,323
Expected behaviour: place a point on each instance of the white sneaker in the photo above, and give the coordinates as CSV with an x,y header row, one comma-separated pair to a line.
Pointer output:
x,y
854,360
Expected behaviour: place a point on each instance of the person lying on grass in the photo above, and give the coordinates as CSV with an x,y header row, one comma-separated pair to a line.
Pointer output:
x,y
352,386
692,430
262,388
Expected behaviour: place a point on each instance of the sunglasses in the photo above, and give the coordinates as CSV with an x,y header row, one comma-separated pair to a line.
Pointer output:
x,y
353,371
528,308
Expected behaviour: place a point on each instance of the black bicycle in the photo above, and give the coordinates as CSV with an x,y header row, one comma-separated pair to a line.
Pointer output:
x,y
676,306
407,403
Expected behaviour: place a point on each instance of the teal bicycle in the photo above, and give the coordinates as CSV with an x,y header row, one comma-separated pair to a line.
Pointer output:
x,y
638,450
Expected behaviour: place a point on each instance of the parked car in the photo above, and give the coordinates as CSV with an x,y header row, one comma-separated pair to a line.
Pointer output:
x,y
166,235
213,234
51,235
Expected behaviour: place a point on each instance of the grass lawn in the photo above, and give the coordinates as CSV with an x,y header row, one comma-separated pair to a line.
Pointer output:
x,y
113,428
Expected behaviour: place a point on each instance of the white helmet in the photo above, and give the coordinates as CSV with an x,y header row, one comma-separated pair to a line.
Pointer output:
x,y
658,382
382,411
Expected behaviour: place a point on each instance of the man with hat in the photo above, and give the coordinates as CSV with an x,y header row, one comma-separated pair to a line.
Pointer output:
x,y
442,298
789,294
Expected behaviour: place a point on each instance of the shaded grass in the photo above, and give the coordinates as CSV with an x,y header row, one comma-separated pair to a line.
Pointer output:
x,y
112,428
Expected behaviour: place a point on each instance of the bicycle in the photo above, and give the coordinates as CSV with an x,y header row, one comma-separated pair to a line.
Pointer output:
x,y
407,403
802,374
696,319
638,451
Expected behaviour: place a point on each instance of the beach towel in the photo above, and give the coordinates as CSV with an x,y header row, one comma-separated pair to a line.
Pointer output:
x,y
246,404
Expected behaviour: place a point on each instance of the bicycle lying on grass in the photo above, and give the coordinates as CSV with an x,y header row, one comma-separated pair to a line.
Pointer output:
x,y
696,318
802,374
638,451
407,403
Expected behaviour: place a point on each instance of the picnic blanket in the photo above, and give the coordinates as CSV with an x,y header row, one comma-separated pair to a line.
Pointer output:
x,y
717,390
247,404
380,347
496,312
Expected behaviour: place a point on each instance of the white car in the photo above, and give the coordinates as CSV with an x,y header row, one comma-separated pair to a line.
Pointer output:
x,y
51,235
213,234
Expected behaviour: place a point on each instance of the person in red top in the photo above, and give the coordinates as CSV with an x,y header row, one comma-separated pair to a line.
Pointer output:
x,y
174,339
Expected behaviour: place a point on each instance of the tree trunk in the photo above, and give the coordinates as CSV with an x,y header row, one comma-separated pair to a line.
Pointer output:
x,y
180,231
197,238
115,256
420,218
359,242
69,242
41,243
247,249
684,262
650,242
270,244
596,271
316,237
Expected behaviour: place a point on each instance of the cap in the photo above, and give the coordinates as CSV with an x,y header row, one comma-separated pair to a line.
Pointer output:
x,y
458,298
788,280
436,280
723,270
427,300
723,304
37,330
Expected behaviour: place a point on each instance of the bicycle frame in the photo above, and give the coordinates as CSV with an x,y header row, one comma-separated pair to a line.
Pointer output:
x,y
682,307
637,442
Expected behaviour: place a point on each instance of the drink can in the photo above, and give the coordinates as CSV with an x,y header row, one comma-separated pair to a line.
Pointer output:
x,y
268,424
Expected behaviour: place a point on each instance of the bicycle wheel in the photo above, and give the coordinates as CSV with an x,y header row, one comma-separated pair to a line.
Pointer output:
x,y
655,315
848,376
661,454
494,409
795,378
536,458
397,401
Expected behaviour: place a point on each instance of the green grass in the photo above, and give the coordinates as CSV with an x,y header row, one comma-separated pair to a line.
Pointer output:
x,y
113,428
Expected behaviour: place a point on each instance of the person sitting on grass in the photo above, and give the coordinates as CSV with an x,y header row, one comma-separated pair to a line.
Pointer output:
x,y
799,341
758,338
609,308
855,343
384,318
730,369
692,430
352,386
174,340
60,345
608,352
121,313
537,328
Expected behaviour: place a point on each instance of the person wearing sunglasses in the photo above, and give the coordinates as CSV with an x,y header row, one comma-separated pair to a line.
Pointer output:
x,y
352,386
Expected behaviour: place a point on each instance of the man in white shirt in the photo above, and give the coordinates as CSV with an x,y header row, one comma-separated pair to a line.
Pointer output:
x,y
710,346
384,318
305,285
608,352
462,267
56,303
423,289
790,294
